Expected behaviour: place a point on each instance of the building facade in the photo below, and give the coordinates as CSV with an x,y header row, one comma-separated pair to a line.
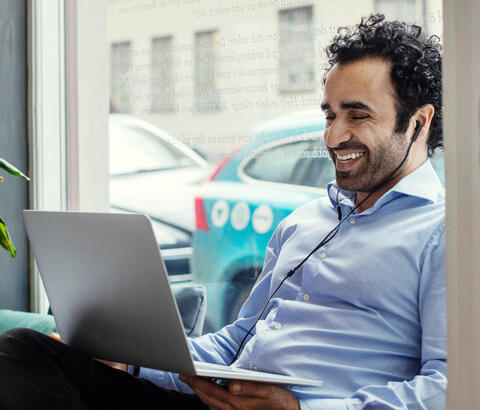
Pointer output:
x,y
207,71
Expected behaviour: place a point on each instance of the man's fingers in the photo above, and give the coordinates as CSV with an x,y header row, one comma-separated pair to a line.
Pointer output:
x,y
261,390
212,402
55,336
240,388
214,396
254,395
242,395
206,387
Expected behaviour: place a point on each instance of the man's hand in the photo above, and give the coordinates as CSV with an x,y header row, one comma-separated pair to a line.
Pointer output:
x,y
115,365
242,395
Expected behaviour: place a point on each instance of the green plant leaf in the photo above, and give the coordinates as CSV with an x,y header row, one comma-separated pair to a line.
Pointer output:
x,y
5,239
12,169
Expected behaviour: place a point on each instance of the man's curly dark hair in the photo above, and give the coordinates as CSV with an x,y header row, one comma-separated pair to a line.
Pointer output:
x,y
416,65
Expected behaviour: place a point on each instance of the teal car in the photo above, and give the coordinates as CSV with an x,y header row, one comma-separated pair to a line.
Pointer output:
x,y
283,166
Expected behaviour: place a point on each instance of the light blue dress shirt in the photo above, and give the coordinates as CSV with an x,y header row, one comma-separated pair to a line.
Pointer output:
x,y
366,313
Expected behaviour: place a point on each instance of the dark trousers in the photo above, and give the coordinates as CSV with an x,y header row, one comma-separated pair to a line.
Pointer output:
x,y
37,372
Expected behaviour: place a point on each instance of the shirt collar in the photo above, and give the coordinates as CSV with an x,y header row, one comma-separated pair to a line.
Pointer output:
x,y
422,183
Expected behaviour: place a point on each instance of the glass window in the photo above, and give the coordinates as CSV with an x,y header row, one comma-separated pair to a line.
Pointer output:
x,y
220,75
296,46
206,94
277,164
133,149
316,168
401,10
120,76
300,163
162,81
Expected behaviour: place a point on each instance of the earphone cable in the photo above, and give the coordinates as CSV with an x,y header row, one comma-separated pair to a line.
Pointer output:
x,y
330,235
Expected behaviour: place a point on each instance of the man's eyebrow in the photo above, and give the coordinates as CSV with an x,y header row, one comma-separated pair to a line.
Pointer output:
x,y
348,105
355,105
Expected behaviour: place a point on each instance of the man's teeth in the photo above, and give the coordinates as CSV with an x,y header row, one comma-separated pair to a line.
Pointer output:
x,y
350,156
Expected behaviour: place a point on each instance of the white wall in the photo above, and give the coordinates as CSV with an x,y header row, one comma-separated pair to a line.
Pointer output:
x,y
462,141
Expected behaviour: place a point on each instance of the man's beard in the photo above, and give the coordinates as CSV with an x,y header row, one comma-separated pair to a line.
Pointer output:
x,y
375,167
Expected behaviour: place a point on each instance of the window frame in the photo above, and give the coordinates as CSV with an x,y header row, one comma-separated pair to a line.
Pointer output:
x,y
47,128
63,40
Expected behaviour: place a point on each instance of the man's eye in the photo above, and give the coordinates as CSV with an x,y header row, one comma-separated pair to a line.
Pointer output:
x,y
329,117
360,117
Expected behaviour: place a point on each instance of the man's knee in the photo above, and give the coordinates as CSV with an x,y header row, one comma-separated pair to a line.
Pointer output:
x,y
17,339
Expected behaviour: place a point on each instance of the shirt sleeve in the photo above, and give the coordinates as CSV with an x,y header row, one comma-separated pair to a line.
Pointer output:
x,y
220,347
427,389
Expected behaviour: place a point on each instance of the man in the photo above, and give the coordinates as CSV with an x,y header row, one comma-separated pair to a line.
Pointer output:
x,y
365,313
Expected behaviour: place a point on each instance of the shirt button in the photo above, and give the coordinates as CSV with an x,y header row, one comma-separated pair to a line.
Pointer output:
x,y
306,297
323,255
352,220
255,368
278,326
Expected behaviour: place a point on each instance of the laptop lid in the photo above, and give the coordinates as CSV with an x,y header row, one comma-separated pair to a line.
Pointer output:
x,y
108,287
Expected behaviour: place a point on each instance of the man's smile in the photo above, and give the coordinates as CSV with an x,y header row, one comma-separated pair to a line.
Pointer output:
x,y
345,160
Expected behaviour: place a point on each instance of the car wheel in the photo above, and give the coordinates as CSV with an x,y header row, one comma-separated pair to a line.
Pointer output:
x,y
237,293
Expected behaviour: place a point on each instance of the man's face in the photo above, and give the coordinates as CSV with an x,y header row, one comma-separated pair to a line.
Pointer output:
x,y
359,105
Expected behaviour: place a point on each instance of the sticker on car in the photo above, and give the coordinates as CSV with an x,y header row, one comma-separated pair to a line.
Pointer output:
x,y
240,216
219,214
262,219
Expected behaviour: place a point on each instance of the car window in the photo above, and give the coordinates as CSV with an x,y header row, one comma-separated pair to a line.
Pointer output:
x,y
300,163
314,168
133,149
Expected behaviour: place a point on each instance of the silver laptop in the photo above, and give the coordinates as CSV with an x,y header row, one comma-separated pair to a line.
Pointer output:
x,y
110,295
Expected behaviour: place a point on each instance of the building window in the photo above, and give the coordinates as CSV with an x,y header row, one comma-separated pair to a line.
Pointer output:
x,y
162,85
206,93
405,10
296,49
120,77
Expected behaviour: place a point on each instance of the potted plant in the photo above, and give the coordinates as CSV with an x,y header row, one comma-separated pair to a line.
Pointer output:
x,y
5,240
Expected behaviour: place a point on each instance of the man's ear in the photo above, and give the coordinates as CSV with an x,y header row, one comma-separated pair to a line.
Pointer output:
x,y
424,115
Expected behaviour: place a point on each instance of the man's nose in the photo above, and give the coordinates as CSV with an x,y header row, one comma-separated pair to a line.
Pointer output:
x,y
337,133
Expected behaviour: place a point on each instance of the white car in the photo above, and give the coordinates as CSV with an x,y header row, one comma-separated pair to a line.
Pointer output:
x,y
152,172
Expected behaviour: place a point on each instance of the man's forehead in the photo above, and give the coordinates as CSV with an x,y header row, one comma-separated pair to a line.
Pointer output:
x,y
361,84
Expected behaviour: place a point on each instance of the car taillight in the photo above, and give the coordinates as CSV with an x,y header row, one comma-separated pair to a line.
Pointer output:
x,y
220,166
224,161
200,214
